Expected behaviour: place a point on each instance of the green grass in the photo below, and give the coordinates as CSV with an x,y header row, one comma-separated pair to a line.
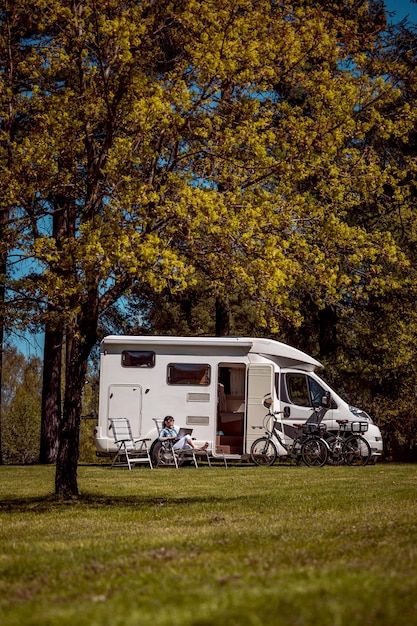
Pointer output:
x,y
241,546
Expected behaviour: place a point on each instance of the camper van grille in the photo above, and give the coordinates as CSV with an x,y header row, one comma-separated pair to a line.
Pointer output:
x,y
198,397
197,420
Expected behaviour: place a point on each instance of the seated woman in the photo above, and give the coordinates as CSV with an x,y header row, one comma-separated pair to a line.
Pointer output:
x,y
169,433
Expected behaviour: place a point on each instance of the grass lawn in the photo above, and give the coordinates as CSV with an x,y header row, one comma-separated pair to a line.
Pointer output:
x,y
334,546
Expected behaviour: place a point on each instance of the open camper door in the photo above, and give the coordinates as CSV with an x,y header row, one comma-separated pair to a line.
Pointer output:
x,y
260,382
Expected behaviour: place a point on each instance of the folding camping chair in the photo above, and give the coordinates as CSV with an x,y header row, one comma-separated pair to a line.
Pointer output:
x,y
129,450
167,454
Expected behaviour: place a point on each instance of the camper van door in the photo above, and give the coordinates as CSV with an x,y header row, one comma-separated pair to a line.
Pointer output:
x,y
299,393
260,383
126,401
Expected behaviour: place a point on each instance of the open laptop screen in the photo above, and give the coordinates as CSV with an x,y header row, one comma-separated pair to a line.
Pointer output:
x,y
184,431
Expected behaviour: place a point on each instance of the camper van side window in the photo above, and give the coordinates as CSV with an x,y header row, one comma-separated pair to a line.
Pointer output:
x,y
188,374
297,389
316,392
303,390
138,358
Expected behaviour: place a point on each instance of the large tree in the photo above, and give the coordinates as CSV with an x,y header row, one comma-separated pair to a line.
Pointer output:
x,y
196,143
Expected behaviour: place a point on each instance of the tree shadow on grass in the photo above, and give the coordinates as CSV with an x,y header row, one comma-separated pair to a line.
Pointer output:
x,y
45,504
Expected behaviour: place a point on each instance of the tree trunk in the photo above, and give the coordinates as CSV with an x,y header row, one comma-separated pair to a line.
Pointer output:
x,y
66,483
4,218
1,366
222,317
63,226
78,348
327,331
51,395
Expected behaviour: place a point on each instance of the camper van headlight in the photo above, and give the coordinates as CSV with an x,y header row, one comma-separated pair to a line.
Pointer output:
x,y
361,414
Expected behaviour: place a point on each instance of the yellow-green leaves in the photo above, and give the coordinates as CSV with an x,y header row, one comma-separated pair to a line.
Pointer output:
x,y
207,141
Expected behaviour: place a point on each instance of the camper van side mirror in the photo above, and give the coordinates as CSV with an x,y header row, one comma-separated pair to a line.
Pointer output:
x,y
287,412
326,400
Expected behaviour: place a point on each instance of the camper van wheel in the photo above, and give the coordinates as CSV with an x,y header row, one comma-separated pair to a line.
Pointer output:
x,y
263,452
164,457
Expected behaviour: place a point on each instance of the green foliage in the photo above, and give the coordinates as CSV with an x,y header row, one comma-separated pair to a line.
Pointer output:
x,y
89,417
259,152
205,157
21,407
87,445
242,546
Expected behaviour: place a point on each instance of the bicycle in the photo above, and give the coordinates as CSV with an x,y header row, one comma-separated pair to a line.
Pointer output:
x,y
307,444
348,446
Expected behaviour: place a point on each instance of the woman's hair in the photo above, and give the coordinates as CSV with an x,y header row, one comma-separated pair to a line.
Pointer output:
x,y
164,423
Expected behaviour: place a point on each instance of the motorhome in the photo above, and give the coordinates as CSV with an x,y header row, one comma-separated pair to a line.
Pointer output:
x,y
214,385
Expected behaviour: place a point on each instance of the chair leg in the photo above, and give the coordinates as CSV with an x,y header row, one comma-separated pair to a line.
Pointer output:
x,y
126,455
122,450
116,457
174,454
197,453
144,449
182,453
224,458
149,459
208,458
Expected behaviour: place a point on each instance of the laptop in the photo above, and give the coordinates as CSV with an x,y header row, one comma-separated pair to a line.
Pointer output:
x,y
183,432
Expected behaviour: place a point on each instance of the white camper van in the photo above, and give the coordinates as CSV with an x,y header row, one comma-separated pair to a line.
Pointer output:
x,y
213,385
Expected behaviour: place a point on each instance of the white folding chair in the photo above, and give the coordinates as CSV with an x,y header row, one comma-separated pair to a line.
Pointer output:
x,y
129,450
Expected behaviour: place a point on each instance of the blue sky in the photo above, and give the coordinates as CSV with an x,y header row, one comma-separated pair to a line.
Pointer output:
x,y
402,8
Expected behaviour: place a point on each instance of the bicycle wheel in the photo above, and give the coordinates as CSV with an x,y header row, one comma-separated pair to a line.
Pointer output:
x,y
314,452
356,450
335,454
263,452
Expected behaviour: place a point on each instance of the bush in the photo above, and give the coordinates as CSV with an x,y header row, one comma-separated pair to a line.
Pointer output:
x,y
21,420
